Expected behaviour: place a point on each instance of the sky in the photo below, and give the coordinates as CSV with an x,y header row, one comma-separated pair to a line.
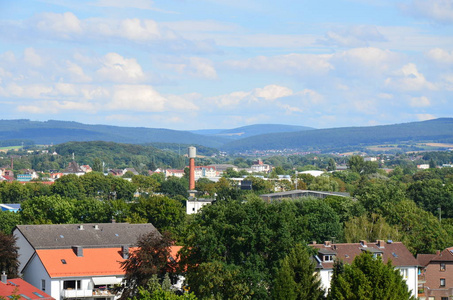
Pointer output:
x,y
211,64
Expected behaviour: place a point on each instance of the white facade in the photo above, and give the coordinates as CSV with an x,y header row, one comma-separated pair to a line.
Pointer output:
x,y
205,172
193,206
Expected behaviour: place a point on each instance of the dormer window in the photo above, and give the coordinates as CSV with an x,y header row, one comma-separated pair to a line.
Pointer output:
x,y
328,258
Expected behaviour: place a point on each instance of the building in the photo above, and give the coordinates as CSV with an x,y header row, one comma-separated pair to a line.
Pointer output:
x,y
73,168
194,205
205,172
17,287
399,255
76,261
436,275
14,207
260,167
173,172
299,194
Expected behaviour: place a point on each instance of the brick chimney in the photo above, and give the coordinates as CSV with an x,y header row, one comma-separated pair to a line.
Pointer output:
x,y
327,243
380,243
78,250
363,243
125,251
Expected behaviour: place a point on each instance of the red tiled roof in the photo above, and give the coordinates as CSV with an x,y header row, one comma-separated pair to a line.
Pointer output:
x,y
445,255
19,286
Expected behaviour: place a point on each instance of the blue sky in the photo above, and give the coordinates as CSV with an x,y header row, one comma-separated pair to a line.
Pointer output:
x,y
206,64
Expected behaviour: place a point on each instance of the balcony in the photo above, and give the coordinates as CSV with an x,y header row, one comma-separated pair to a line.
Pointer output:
x,y
71,293
421,278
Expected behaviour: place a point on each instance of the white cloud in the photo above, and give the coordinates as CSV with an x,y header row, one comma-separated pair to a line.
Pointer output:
x,y
183,103
272,92
422,101
194,66
54,107
137,98
408,78
76,72
291,64
32,58
64,25
353,36
440,11
440,56
364,62
119,69
425,117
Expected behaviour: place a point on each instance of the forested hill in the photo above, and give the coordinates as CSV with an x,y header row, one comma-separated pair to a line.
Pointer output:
x,y
251,130
438,130
58,132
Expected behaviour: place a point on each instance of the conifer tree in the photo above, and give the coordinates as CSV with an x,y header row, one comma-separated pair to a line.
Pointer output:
x,y
296,278
368,278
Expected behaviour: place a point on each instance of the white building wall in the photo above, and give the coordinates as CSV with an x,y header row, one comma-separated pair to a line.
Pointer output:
x,y
26,250
411,279
35,273
192,207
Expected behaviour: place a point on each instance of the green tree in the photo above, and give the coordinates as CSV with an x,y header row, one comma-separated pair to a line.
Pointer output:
x,y
368,278
145,184
164,213
48,210
96,184
174,186
14,192
97,165
370,228
151,258
297,278
92,210
121,189
70,186
332,166
8,220
356,163
9,255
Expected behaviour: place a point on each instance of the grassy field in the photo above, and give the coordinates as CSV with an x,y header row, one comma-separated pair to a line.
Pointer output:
x,y
5,149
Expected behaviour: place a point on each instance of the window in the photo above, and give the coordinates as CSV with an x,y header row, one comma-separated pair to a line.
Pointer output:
x,y
71,284
43,284
443,298
442,282
443,267
328,258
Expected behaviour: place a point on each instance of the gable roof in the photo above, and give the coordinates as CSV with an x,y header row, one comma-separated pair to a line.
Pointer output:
x,y
445,256
20,287
94,262
60,236
394,251
73,167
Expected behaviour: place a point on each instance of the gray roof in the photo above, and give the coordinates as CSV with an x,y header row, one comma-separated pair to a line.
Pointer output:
x,y
301,193
91,236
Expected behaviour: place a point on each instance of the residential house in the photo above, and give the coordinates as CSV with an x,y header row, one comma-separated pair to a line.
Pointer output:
x,y
73,168
396,252
76,261
194,205
132,170
86,168
436,275
220,168
17,287
205,172
173,172
116,172
260,167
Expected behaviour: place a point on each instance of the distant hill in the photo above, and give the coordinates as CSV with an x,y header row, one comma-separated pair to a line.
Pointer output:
x,y
247,138
58,132
438,130
251,130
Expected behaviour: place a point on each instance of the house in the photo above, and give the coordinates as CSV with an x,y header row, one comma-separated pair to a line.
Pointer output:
x,y
73,168
194,205
205,172
76,261
259,167
132,170
295,194
19,287
173,172
86,168
116,172
220,168
399,255
436,275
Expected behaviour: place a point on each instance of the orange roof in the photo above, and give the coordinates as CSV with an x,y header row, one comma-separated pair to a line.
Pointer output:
x,y
94,262
20,287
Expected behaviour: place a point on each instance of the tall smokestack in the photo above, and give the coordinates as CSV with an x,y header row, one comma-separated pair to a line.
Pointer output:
x,y
192,155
